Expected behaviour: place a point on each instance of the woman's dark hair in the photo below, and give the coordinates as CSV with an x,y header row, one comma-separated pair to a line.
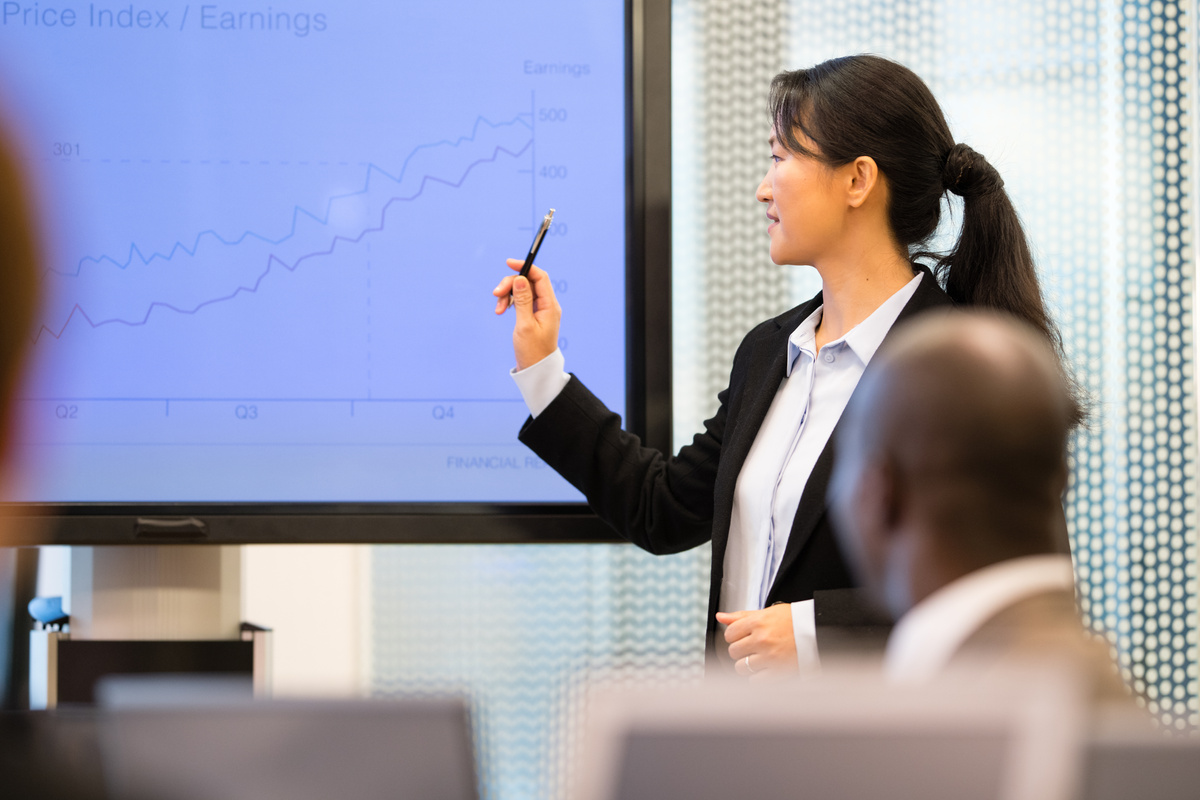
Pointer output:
x,y
865,105
869,106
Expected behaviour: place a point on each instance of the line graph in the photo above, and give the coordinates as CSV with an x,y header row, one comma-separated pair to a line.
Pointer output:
x,y
408,214
77,309
323,218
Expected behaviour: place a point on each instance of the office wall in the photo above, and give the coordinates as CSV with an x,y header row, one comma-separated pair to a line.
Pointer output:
x,y
316,600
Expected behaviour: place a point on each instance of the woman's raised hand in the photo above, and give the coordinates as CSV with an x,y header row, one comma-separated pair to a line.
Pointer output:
x,y
535,334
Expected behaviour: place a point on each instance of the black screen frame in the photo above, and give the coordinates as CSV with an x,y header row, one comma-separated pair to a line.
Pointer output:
x,y
648,387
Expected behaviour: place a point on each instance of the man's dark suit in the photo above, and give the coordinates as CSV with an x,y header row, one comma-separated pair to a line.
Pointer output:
x,y
667,505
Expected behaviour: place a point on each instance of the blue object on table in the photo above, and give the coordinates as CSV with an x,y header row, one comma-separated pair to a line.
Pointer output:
x,y
48,610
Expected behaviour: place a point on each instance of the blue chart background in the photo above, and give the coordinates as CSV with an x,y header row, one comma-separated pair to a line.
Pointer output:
x,y
271,253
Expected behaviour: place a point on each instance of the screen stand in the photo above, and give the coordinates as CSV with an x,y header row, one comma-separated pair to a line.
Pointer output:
x,y
180,592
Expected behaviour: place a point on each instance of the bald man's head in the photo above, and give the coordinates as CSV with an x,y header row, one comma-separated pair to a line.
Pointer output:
x,y
952,454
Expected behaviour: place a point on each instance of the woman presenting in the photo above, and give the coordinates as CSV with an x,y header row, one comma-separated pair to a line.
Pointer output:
x,y
861,157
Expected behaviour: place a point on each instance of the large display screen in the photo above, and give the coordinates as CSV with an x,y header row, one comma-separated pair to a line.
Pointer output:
x,y
274,229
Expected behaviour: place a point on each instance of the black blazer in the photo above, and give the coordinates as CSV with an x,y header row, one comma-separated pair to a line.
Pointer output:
x,y
670,504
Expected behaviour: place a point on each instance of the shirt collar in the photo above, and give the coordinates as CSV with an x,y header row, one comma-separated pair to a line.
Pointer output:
x,y
863,339
803,338
928,636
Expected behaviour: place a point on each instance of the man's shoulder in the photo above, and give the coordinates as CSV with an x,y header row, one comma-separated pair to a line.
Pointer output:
x,y
1050,613
1047,625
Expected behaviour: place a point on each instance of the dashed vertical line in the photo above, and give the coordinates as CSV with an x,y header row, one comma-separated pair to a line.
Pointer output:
x,y
533,211
370,377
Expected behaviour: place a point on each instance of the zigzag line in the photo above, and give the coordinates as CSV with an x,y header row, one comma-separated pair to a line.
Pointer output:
x,y
273,259
135,251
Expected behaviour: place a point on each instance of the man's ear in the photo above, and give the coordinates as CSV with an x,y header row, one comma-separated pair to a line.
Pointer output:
x,y
881,496
891,495
876,514
862,180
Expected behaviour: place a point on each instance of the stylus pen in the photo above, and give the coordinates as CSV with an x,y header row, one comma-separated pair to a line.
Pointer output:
x,y
537,243
533,249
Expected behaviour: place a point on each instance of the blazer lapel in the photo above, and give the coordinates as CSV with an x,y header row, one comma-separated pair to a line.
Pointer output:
x,y
764,371
762,377
809,513
811,510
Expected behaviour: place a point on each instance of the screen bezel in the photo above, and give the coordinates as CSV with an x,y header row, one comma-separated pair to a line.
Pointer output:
x,y
648,386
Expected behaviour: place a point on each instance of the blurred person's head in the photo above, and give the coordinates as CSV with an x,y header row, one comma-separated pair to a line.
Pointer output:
x,y
19,259
952,455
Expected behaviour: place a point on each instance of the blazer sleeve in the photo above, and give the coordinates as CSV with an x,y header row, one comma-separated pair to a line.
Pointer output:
x,y
661,503
849,623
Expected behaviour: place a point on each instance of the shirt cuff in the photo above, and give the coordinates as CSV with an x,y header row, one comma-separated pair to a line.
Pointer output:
x,y
804,630
542,382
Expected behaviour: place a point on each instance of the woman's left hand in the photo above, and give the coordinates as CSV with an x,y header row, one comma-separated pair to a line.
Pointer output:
x,y
761,643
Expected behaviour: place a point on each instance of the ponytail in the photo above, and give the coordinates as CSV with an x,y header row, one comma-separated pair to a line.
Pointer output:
x,y
991,265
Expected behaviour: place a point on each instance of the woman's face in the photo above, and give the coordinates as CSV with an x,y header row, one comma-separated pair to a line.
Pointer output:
x,y
804,203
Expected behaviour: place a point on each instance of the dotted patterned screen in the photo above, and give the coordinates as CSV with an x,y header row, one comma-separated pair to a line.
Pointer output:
x,y
1084,107
519,629
723,281
1138,576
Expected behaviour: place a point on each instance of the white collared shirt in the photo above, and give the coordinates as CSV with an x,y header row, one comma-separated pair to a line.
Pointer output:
x,y
928,636
807,405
